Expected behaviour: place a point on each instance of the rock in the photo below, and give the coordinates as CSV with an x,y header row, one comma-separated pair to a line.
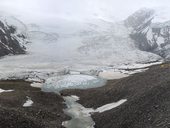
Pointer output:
x,y
10,40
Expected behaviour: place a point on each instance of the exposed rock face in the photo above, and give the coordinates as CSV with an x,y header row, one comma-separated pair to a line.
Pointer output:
x,y
140,19
161,35
10,40
148,36
140,23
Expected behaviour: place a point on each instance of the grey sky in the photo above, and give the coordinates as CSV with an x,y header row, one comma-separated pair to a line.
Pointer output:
x,y
77,9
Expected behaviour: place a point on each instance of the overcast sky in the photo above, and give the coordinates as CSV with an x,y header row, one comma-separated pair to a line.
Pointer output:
x,y
76,9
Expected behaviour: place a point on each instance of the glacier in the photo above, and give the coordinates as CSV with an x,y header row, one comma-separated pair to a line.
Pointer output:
x,y
56,84
78,50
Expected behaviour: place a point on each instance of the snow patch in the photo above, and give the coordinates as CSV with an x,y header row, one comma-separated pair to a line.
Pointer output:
x,y
75,97
1,90
138,65
28,103
36,85
124,70
110,106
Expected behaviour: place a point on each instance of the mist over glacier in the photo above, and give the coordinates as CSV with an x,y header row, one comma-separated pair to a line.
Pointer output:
x,y
75,34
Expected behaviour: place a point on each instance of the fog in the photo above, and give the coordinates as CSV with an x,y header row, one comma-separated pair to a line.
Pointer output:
x,y
109,43
33,10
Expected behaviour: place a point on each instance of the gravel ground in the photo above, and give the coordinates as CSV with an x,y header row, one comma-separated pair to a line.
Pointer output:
x,y
148,95
46,111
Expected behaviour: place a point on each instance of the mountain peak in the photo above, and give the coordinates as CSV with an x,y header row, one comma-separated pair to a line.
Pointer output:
x,y
140,17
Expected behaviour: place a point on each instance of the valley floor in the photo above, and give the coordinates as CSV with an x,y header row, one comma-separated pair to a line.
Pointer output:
x,y
147,106
45,112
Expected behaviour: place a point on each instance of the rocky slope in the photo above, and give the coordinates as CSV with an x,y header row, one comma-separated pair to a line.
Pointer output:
x,y
147,95
114,44
11,41
136,38
149,36
45,112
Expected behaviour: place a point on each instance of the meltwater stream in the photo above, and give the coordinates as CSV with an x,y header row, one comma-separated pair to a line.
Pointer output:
x,y
80,115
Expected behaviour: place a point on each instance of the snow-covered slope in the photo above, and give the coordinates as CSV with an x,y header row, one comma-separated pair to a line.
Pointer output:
x,y
12,40
150,32
114,45
87,47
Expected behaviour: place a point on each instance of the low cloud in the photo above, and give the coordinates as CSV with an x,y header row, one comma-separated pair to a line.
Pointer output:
x,y
76,9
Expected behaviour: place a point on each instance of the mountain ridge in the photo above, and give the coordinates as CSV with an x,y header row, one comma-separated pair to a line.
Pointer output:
x,y
11,42
149,36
